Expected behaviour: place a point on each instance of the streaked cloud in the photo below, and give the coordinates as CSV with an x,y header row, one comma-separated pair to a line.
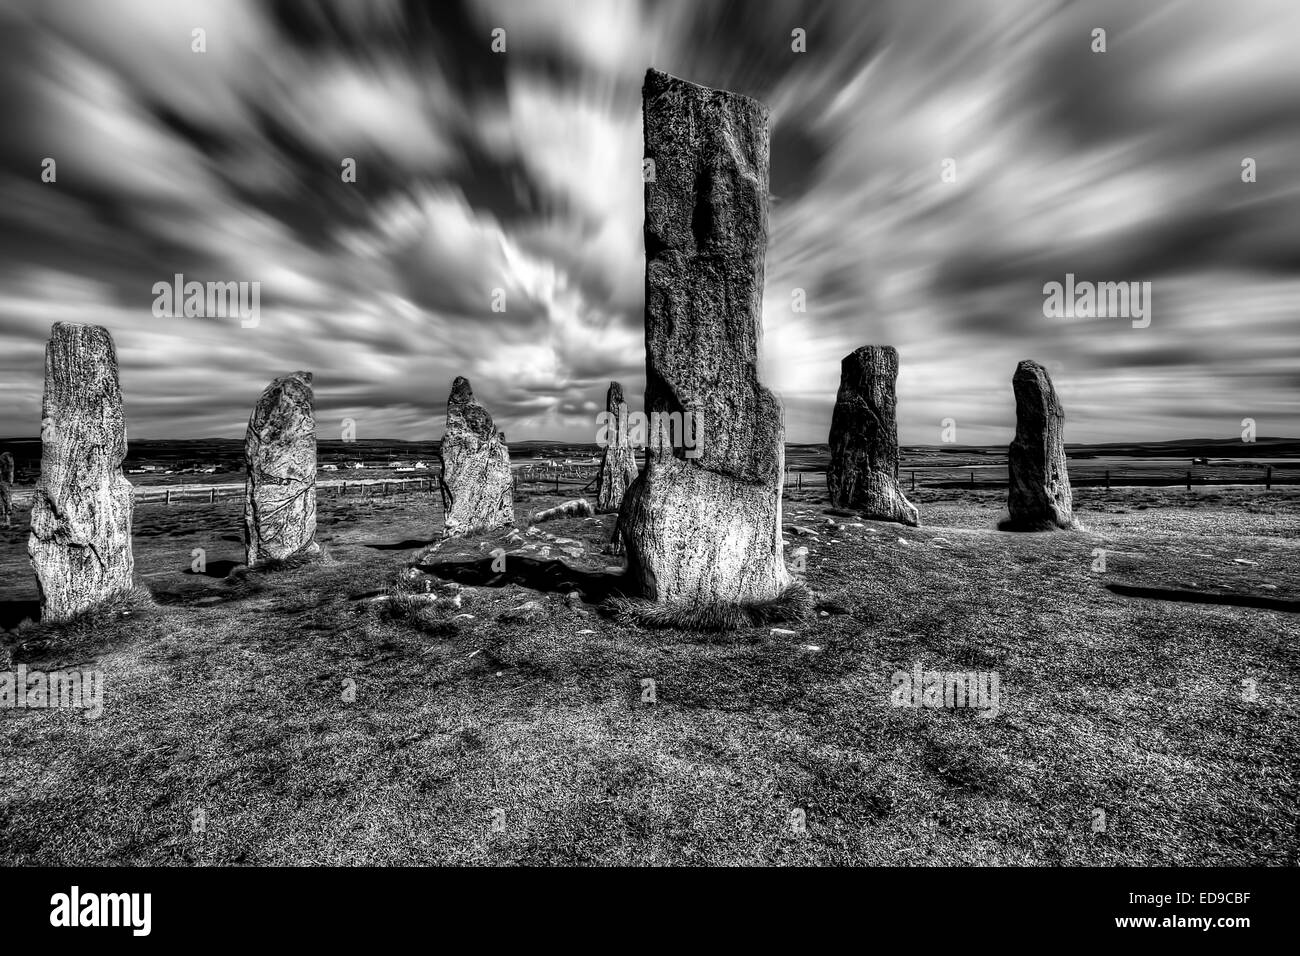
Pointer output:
x,y
520,172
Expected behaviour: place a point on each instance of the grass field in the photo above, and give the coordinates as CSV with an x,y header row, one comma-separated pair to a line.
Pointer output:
x,y
503,718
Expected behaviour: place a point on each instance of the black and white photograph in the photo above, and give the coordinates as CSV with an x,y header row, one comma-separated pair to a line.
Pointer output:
x,y
516,435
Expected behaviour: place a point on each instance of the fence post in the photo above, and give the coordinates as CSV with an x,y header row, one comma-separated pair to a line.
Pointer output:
x,y
212,496
972,478
1189,481
1268,478
914,481
1108,479
169,496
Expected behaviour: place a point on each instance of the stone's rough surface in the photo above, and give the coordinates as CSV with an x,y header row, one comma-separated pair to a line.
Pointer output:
x,y
6,488
706,528
863,473
477,486
80,542
618,462
1039,497
280,489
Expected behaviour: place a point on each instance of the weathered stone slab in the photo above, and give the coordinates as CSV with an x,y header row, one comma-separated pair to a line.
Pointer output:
x,y
863,473
6,488
280,487
1039,496
477,487
618,461
80,542
703,523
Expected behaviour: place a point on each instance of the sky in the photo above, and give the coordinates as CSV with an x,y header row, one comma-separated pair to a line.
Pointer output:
x,y
519,170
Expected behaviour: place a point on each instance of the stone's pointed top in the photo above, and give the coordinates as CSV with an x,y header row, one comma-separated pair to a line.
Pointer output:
x,y
866,355
68,326
63,331
614,397
869,349
294,381
1033,376
461,390
657,82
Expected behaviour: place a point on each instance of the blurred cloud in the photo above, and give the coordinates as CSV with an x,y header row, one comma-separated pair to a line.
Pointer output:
x,y
520,172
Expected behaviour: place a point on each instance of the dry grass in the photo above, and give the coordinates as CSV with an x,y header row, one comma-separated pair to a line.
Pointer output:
x,y
793,605
312,723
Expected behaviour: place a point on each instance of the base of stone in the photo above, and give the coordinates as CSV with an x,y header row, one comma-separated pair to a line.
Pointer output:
x,y
795,603
904,514
120,604
1006,523
453,528
313,553
696,536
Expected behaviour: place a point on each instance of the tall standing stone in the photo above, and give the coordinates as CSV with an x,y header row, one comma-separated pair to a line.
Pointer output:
x,y
1039,497
6,488
618,461
702,524
863,473
280,488
477,486
80,542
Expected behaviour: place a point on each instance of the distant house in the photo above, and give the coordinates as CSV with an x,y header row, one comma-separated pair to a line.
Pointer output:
x,y
356,466
421,466
329,467
399,465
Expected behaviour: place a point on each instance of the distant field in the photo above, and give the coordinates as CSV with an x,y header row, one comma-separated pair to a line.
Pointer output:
x,y
1161,692
1276,461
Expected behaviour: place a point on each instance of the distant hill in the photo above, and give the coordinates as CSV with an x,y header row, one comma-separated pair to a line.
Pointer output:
x,y
227,454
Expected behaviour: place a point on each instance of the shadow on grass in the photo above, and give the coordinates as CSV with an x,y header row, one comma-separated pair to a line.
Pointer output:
x,y
548,576
214,569
13,613
1206,597
408,545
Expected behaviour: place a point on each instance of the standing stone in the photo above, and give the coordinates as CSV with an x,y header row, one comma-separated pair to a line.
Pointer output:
x,y
618,462
1039,497
477,487
280,489
80,543
702,522
6,488
863,473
